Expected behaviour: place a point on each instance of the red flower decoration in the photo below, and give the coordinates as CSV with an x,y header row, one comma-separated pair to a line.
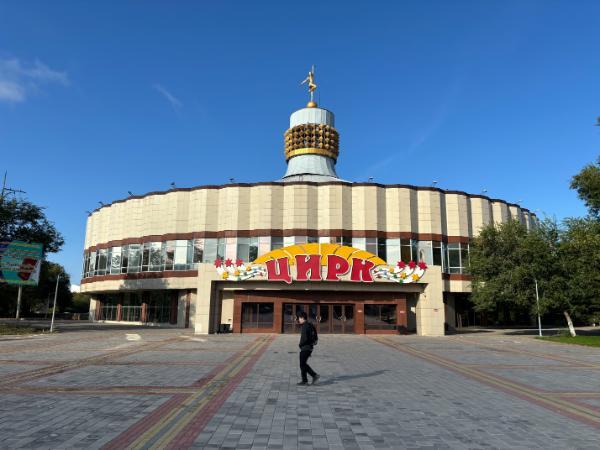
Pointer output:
x,y
422,265
228,262
239,262
412,264
401,264
218,262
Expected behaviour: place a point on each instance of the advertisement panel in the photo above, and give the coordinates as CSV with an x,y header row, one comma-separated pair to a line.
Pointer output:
x,y
20,263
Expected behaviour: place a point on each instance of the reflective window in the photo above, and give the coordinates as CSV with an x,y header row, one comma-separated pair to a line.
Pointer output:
x,y
437,253
135,258
168,251
380,317
198,251
454,265
257,315
247,249
124,258
276,242
181,254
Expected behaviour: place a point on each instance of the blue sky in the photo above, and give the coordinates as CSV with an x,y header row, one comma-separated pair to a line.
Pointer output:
x,y
101,98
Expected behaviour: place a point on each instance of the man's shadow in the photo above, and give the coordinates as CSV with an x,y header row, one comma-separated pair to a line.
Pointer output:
x,y
342,378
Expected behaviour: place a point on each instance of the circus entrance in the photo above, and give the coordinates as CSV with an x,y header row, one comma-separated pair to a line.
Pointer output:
x,y
327,318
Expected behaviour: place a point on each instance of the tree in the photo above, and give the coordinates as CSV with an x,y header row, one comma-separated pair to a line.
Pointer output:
x,y
587,185
506,260
22,220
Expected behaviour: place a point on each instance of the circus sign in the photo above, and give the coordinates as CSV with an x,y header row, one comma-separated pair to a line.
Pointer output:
x,y
320,262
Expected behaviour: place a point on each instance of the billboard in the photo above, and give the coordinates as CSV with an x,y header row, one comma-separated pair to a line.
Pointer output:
x,y
20,263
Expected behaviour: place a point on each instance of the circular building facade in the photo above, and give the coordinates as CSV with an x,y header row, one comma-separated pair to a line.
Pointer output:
x,y
247,257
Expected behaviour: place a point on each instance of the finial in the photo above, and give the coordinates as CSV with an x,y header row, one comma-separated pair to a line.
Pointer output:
x,y
312,87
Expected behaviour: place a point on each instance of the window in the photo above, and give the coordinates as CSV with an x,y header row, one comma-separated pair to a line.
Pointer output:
x,y
382,249
124,258
393,251
380,317
156,262
115,260
102,261
312,239
405,250
360,243
213,249
276,242
247,249
454,265
168,251
198,251
437,253
464,257
135,258
371,245
159,307
92,264
181,254
257,315
146,257
425,252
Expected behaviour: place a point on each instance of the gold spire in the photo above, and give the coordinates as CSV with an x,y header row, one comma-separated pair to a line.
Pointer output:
x,y
312,87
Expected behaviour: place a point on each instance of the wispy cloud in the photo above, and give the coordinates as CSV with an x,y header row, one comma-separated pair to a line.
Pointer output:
x,y
174,101
19,79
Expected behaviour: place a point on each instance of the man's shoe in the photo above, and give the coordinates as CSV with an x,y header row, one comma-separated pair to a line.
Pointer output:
x,y
316,378
302,383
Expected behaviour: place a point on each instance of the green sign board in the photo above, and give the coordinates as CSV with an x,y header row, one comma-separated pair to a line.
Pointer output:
x,y
20,263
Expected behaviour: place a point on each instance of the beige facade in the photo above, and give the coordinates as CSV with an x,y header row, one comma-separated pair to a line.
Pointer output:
x,y
287,210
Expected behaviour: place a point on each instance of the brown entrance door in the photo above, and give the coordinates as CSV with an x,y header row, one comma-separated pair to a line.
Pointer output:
x,y
323,322
342,319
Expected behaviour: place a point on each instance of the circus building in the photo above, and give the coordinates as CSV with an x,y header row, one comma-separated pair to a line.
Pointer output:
x,y
247,257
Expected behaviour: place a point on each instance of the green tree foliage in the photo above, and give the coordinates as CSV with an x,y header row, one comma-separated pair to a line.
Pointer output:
x,y
505,261
580,256
81,303
587,185
22,220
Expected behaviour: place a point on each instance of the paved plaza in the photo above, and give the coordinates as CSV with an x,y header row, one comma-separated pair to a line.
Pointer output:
x,y
155,388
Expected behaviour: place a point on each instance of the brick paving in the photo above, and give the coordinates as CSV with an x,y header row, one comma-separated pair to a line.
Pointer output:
x,y
156,388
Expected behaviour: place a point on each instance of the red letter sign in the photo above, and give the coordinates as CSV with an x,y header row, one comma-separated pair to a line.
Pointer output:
x,y
278,270
304,265
361,270
336,265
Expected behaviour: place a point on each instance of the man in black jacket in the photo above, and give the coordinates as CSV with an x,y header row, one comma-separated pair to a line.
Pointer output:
x,y
306,348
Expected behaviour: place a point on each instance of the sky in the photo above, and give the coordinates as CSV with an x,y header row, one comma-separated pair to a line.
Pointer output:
x,y
101,98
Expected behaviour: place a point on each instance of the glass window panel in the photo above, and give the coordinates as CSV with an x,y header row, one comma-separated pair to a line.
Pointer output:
x,y
347,241
124,258
360,243
265,315
198,250
92,264
405,253
393,251
135,258
169,254
380,317
210,250
299,240
146,256
464,258
276,242
381,249
115,260
312,239
243,247
156,256
371,245
425,252
253,249
437,253
221,248
453,257
181,254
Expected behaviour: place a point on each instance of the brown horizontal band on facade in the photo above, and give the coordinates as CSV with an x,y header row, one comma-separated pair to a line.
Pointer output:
x,y
312,183
336,233
457,276
142,276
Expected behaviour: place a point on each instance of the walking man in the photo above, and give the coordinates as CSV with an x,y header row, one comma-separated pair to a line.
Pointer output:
x,y
308,339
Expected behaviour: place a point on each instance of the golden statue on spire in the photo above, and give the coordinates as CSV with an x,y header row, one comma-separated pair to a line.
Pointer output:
x,y
312,87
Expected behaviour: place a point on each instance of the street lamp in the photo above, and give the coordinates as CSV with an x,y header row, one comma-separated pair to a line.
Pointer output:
x,y
54,307
537,300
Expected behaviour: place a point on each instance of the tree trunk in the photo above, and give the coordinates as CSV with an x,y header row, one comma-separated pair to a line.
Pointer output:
x,y
570,323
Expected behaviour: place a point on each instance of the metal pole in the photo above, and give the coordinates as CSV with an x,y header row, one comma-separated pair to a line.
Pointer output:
x,y
19,301
54,307
537,299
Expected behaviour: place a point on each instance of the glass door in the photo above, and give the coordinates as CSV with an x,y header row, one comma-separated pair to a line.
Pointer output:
x,y
342,318
323,322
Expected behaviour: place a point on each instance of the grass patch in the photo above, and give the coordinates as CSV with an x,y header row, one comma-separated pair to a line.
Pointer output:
x,y
15,329
591,341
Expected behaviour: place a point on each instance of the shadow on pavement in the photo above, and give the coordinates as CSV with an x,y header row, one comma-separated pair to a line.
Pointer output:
x,y
341,378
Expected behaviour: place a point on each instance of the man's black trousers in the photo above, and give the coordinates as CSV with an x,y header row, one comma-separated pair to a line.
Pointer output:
x,y
304,367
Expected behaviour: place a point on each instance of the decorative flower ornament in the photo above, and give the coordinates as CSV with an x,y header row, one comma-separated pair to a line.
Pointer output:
x,y
402,272
240,271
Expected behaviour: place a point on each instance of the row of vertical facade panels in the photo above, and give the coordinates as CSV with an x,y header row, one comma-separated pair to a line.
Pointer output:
x,y
273,206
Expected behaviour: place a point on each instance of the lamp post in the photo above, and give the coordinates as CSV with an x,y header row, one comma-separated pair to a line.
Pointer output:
x,y
54,307
537,300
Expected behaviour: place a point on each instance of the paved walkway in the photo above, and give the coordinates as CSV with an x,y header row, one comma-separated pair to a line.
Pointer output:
x,y
153,388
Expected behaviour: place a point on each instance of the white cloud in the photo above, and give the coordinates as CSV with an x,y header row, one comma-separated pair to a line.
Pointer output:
x,y
75,288
174,101
18,79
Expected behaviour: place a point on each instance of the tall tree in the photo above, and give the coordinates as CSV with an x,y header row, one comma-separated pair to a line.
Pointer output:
x,y
587,185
